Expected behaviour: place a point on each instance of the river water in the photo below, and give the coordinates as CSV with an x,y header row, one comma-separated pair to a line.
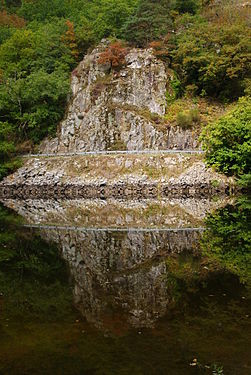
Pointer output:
x,y
113,287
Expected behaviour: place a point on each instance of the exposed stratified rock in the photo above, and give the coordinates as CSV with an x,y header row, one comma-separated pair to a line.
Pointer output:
x,y
119,109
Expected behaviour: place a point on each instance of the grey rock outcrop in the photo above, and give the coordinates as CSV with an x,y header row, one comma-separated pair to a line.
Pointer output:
x,y
119,109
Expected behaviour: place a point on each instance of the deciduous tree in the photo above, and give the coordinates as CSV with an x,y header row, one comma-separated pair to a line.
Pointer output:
x,y
114,54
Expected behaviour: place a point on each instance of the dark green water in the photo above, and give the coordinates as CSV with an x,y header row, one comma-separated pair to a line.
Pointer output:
x,y
87,301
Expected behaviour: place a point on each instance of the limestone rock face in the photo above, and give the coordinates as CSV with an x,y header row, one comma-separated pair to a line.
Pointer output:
x,y
114,110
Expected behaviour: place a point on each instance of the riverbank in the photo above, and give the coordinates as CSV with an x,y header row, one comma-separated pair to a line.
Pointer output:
x,y
124,176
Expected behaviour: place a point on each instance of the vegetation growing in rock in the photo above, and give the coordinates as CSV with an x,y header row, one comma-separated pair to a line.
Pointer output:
x,y
188,119
160,49
114,55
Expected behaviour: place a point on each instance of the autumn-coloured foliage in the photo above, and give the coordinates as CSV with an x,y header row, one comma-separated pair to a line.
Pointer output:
x,y
114,54
228,12
160,49
11,20
70,39
214,57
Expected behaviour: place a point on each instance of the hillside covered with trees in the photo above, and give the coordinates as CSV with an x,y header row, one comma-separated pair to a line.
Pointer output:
x,y
205,43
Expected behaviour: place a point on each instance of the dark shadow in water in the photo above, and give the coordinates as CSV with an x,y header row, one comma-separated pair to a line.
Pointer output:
x,y
156,299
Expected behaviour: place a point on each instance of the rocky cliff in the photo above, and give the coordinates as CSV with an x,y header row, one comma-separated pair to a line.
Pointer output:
x,y
119,109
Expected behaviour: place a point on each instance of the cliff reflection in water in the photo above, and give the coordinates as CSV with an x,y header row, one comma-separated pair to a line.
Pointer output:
x,y
121,273
123,277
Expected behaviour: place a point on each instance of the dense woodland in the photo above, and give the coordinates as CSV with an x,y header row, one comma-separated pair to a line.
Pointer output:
x,y
205,42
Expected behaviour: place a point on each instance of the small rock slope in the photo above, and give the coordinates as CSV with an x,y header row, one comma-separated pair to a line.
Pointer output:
x,y
120,176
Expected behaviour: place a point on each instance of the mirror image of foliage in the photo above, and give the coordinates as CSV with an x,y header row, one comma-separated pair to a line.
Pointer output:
x,y
228,237
33,277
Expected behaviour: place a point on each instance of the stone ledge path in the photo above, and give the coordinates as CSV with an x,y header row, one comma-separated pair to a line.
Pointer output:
x,y
111,229
122,152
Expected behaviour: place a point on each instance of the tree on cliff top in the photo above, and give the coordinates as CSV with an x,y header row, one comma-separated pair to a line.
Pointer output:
x,y
150,22
114,55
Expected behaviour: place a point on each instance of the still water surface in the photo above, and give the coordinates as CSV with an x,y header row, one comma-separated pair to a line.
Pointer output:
x,y
151,287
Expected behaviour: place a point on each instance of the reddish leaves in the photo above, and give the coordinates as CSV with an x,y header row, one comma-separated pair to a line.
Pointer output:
x,y
160,49
70,39
115,55
11,20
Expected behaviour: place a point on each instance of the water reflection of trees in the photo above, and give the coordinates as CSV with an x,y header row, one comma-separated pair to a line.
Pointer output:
x,y
136,276
193,301
33,276
227,240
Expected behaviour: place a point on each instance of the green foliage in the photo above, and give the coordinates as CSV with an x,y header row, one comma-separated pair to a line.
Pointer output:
x,y
85,35
175,86
40,44
214,57
110,15
7,149
35,65
227,142
6,145
188,119
186,6
245,181
228,237
34,80
104,17
151,21
184,120
9,166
